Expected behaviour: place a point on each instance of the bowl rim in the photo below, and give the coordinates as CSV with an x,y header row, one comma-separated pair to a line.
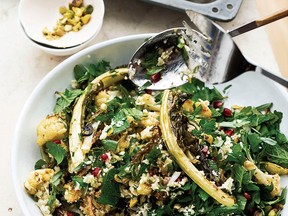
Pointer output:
x,y
87,51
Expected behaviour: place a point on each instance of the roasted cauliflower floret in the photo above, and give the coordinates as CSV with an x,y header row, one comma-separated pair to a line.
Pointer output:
x,y
205,112
71,193
188,106
51,128
38,180
148,102
265,179
105,96
37,184
149,119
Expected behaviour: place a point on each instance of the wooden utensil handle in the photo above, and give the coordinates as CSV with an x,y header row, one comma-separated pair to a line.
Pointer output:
x,y
273,17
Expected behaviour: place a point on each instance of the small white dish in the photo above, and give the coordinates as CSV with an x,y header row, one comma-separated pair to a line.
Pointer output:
x,y
59,51
35,15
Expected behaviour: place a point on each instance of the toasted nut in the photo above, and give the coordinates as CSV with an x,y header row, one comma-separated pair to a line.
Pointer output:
x,y
73,18
133,202
85,19
76,3
63,10
88,10
67,28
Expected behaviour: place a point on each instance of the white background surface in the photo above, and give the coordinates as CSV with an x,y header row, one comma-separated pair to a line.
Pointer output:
x,y
22,66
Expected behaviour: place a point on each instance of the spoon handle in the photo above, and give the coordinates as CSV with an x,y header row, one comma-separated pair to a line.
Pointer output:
x,y
273,17
258,23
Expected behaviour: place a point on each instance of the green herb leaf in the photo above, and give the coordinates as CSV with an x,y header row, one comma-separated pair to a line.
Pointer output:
x,y
268,141
57,151
40,164
144,86
110,144
153,154
84,74
66,99
52,197
135,113
79,183
110,192
277,154
56,179
150,60
120,122
154,70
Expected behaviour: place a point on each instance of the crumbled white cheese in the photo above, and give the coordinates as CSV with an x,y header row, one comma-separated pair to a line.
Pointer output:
x,y
155,185
146,133
103,106
104,133
187,210
146,161
228,185
225,149
214,173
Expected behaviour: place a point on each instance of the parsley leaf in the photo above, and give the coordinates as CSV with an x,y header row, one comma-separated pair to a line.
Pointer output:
x,y
84,74
57,178
57,151
79,183
110,193
40,164
154,70
135,113
52,197
110,144
277,154
120,122
66,99
150,60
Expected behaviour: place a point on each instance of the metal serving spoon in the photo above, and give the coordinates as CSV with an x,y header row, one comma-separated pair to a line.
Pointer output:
x,y
212,53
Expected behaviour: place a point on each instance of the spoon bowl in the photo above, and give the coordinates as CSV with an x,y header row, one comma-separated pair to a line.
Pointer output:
x,y
172,74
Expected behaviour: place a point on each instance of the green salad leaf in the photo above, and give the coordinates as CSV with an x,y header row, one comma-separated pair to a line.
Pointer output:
x,y
57,151
65,99
110,192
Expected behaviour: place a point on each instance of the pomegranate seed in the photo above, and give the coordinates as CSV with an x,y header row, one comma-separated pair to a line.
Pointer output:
x,y
229,132
251,210
156,77
152,171
148,91
227,112
217,104
205,150
57,141
247,196
69,214
96,171
104,157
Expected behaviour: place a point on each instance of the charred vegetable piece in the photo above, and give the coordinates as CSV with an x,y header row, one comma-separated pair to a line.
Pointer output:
x,y
105,80
275,168
265,179
181,158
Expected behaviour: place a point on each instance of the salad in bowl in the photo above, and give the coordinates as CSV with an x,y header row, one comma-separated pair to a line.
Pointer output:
x,y
111,148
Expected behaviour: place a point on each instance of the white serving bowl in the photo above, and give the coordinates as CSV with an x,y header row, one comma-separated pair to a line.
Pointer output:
x,y
34,15
25,151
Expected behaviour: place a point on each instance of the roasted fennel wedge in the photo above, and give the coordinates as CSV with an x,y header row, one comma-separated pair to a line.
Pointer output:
x,y
76,148
184,160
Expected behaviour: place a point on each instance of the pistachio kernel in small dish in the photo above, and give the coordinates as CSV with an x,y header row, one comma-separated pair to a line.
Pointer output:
x,y
74,17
